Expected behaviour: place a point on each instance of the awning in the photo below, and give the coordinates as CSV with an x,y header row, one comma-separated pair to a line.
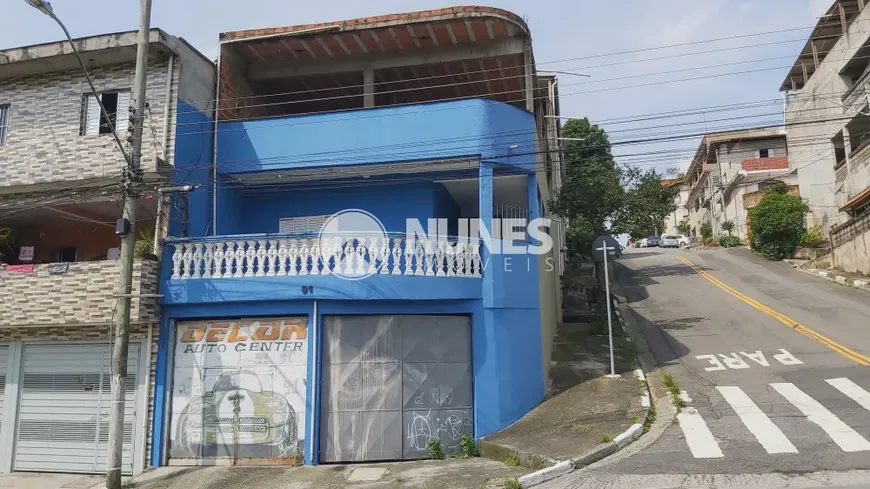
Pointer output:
x,y
856,202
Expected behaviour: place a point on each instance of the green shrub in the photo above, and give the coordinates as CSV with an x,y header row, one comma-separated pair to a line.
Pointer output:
x,y
512,460
435,450
813,238
728,226
144,244
467,446
706,230
778,224
729,241
513,484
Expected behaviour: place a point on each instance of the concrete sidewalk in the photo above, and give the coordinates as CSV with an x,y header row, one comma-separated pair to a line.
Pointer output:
x,y
35,480
585,410
474,473
848,279
584,416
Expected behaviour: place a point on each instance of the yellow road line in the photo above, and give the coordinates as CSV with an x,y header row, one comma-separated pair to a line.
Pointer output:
x,y
845,351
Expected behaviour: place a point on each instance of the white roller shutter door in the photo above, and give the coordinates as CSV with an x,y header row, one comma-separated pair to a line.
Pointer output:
x,y
65,402
4,361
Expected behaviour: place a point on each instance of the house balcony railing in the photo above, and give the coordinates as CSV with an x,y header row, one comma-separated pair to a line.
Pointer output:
x,y
856,94
842,171
282,255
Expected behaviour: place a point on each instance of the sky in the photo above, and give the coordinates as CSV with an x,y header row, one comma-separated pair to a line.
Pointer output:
x,y
571,35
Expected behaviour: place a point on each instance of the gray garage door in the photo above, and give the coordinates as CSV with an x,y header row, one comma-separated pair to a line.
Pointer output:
x,y
390,384
63,421
4,360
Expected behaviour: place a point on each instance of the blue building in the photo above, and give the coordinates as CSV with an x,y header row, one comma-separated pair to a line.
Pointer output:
x,y
299,319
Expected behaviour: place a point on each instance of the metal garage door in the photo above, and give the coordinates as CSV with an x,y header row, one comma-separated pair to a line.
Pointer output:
x,y
390,384
4,361
63,420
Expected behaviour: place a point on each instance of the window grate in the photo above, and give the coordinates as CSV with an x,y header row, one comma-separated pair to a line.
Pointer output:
x,y
301,225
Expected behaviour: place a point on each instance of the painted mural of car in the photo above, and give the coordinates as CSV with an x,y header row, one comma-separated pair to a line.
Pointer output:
x,y
238,411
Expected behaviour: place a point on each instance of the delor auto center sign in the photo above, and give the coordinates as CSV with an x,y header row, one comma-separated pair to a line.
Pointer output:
x,y
239,388
245,336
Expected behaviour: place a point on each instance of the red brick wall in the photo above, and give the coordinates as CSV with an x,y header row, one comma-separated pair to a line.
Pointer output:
x,y
766,164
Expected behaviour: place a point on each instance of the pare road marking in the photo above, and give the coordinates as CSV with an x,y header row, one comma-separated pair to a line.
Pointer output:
x,y
735,360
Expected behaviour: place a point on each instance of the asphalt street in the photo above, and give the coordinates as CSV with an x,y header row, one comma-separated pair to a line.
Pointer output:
x,y
766,396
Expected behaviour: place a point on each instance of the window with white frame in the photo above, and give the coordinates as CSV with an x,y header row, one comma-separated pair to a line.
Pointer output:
x,y
301,225
764,153
4,123
117,105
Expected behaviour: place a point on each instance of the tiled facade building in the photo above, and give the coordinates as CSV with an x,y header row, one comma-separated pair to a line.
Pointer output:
x,y
59,200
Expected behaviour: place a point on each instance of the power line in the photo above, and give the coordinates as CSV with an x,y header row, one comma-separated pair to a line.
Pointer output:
x,y
358,115
391,152
340,184
602,55
470,72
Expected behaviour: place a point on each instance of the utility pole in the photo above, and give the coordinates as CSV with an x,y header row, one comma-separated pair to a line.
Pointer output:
x,y
126,228
722,184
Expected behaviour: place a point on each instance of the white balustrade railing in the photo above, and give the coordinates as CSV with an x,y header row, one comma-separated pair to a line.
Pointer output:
x,y
288,256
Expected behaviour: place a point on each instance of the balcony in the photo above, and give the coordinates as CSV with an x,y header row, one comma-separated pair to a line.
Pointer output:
x,y
79,293
257,267
842,171
857,94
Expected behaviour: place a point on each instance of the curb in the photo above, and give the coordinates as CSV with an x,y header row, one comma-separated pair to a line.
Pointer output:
x,y
547,474
832,277
605,449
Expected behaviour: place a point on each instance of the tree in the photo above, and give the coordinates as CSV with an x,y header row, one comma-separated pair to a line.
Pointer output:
x,y
706,230
727,226
778,223
646,203
591,192
684,227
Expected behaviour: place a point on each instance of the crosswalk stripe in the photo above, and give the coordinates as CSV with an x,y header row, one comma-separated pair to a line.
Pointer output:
x,y
698,436
852,390
848,439
766,432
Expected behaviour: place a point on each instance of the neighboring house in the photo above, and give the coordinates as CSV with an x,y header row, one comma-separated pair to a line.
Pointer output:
x,y
671,224
278,345
829,130
729,165
59,200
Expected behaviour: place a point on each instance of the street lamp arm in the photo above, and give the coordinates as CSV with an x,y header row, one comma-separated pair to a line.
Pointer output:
x,y
103,110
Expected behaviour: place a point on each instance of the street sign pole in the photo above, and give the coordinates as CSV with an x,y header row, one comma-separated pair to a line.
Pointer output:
x,y
605,251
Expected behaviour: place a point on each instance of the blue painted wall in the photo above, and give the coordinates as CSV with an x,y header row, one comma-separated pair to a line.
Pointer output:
x,y
390,134
513,337
258,210
194,142
503,305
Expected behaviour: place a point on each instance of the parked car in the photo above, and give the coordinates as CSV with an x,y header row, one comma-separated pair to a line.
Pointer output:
x,y
683,240
652,241
669,241
643,243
